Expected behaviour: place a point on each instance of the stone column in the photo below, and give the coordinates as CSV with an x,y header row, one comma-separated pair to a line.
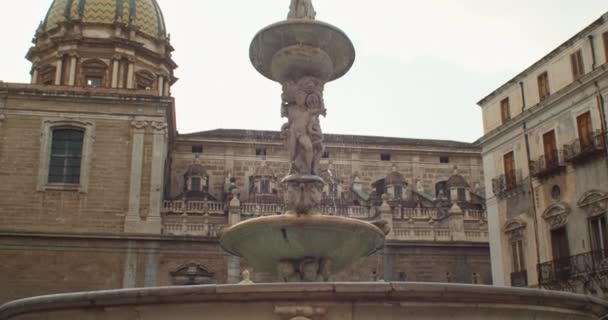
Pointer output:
x,y
130,73
34,75
159,147
137,158
161,85
115,66
72,75
234,217
58,71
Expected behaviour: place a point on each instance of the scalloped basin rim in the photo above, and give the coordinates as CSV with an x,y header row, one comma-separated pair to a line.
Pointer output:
x,y
266,241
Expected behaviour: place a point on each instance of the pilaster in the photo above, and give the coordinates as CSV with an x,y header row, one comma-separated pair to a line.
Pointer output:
x,y
130,73
159,152
58,71
73,63
115,66
133,218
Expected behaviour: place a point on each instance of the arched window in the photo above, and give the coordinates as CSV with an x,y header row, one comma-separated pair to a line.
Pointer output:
x,y
144,80
93,73
66,155
46,75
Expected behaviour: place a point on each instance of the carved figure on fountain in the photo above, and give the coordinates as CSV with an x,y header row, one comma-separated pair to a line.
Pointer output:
x,y
302,104
301,9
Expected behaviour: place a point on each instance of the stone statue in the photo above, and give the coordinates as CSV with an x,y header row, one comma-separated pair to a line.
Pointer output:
x,y
302,104
301,9
246,276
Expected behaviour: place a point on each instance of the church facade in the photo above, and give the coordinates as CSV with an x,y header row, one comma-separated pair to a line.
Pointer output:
x,y
99,191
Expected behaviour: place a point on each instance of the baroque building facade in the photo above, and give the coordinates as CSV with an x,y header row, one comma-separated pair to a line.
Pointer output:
x,y
99,191
545,161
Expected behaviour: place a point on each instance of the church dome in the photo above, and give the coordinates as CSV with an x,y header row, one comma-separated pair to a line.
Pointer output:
x,y
143,14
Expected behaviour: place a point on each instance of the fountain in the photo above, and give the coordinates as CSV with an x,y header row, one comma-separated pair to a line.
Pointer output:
x,y
302,54
301,246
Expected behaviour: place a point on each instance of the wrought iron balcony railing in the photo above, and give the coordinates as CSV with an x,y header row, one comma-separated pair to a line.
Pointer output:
x,y
581,268
585,148
548,165
507,184
519,279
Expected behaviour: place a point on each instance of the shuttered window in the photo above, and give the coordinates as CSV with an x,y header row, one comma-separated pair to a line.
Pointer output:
x,y
543,86
585,131
578,67
66,156
505,110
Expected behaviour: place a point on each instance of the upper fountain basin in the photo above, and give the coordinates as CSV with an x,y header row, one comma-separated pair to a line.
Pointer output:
x,y
301,47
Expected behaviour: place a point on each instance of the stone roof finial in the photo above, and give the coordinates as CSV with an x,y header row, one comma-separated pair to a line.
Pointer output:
x,y
301,9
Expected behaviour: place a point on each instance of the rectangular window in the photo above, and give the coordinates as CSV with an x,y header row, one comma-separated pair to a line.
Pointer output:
x,y
326,155
265,187
197,148
66,155
444,159
578,67
385,157
550,147
517,255
505,110
599,241
543,86
195,184
585,130
462,194
509,166
260,152
94,82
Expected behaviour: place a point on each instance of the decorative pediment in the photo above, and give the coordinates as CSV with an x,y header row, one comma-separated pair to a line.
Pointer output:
x,y
556,215
264,171
515,229
191,274
594,203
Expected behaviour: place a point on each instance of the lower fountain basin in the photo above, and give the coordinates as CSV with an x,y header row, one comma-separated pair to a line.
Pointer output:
x,y
267,241
318,301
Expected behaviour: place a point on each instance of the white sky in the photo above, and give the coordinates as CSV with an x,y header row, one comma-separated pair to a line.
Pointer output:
x,y
421,64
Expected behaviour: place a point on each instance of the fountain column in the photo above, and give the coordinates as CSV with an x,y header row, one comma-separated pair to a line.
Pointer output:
x,y
302,54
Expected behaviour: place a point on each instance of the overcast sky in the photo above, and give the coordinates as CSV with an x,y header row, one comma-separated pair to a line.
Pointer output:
x,y
421,64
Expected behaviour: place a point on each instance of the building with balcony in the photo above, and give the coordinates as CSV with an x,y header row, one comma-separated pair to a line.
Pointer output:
x,y
99,191
545,162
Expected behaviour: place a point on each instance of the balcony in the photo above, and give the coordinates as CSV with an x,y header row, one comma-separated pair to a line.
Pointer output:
x,y
583,150
548,165
564,273
519,279
508,184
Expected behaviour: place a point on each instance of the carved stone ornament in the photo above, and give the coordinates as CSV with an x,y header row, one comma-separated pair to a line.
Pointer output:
x,y
305,270
515,229
594,203
191,274
301,9
557,215
302,104
158,125
300,312
139,125
303,194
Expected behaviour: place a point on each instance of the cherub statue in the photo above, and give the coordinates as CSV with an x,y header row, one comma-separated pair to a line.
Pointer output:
x,y
301,9
302,103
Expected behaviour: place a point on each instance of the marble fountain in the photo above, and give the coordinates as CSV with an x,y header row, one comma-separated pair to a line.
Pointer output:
x,y
301,247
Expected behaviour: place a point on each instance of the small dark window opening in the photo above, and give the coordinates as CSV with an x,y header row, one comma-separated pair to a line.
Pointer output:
x,y
398,192
444,159
462,194
326,155
195,184
197,149
264,187
94,82
556,193
66,156
260,152
385,157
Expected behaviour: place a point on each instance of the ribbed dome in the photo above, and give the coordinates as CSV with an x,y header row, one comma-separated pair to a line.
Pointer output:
x,y
144,14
